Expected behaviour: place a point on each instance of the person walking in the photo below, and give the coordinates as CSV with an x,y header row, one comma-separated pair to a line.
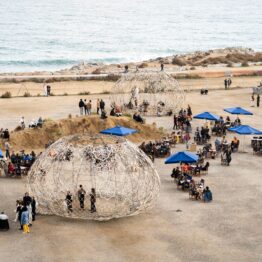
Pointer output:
x,y
81,197
258,100
93,200
7,149
97,106
25,220
81,105
229,82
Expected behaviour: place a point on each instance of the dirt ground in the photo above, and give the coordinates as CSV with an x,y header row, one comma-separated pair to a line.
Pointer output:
x,y
96,87
228,229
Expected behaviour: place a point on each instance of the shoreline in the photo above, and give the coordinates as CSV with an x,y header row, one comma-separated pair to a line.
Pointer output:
x,y
228,58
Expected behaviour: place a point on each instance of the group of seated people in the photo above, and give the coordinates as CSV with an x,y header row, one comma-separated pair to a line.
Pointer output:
x,y
219,129
156,149
206,152
20,162
190,170
36,123
202,136
196,189
4,134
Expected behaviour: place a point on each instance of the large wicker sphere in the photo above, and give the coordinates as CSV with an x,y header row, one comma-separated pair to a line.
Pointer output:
x,y
152,88
124,178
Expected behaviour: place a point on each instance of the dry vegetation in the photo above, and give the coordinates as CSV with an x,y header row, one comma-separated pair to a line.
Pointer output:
x,y
36,139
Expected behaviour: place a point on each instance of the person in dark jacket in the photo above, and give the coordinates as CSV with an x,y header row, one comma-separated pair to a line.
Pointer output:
x,y
81,105
258,100
33,205
93,200
102,105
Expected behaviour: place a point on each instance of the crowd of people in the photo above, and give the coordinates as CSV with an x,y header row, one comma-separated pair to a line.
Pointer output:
x,y
17,163
159,148
25,212
184,180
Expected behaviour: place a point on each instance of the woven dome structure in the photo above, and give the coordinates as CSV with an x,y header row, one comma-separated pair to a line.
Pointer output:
x,y
151,93
124,179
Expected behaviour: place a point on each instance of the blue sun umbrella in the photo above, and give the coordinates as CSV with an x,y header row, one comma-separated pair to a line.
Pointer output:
x,y
207,116
246,130
1,154
237,111
119,131
184,157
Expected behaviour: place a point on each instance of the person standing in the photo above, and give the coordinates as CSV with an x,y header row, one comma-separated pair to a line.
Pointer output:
x,y
258,100
25,220
93,200
69,202
89,107
85,107
162,67
97,106
226,84
81,106
102,105
189,112
22,122
33,205
7,149
229,82
175,122
27,200
252,100
81,197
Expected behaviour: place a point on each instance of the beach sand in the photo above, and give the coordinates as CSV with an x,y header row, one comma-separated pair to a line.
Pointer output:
x,y
228,229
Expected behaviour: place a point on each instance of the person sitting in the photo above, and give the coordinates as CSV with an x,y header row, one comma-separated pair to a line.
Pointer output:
x,y
207,195
205,167
103,115
6,134
234,144
237,121
175,173
33,124
118,111
197,170
138,118
11,169
40,122
112,112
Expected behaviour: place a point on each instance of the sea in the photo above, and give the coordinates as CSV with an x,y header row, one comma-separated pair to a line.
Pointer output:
x,y
38,35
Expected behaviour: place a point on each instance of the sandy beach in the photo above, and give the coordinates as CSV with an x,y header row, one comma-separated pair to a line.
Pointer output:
x,y
228,229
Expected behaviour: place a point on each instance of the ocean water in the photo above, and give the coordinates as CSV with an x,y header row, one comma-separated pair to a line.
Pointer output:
x,y
55,34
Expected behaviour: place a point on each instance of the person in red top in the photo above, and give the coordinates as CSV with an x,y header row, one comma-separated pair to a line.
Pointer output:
x,y
11,169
